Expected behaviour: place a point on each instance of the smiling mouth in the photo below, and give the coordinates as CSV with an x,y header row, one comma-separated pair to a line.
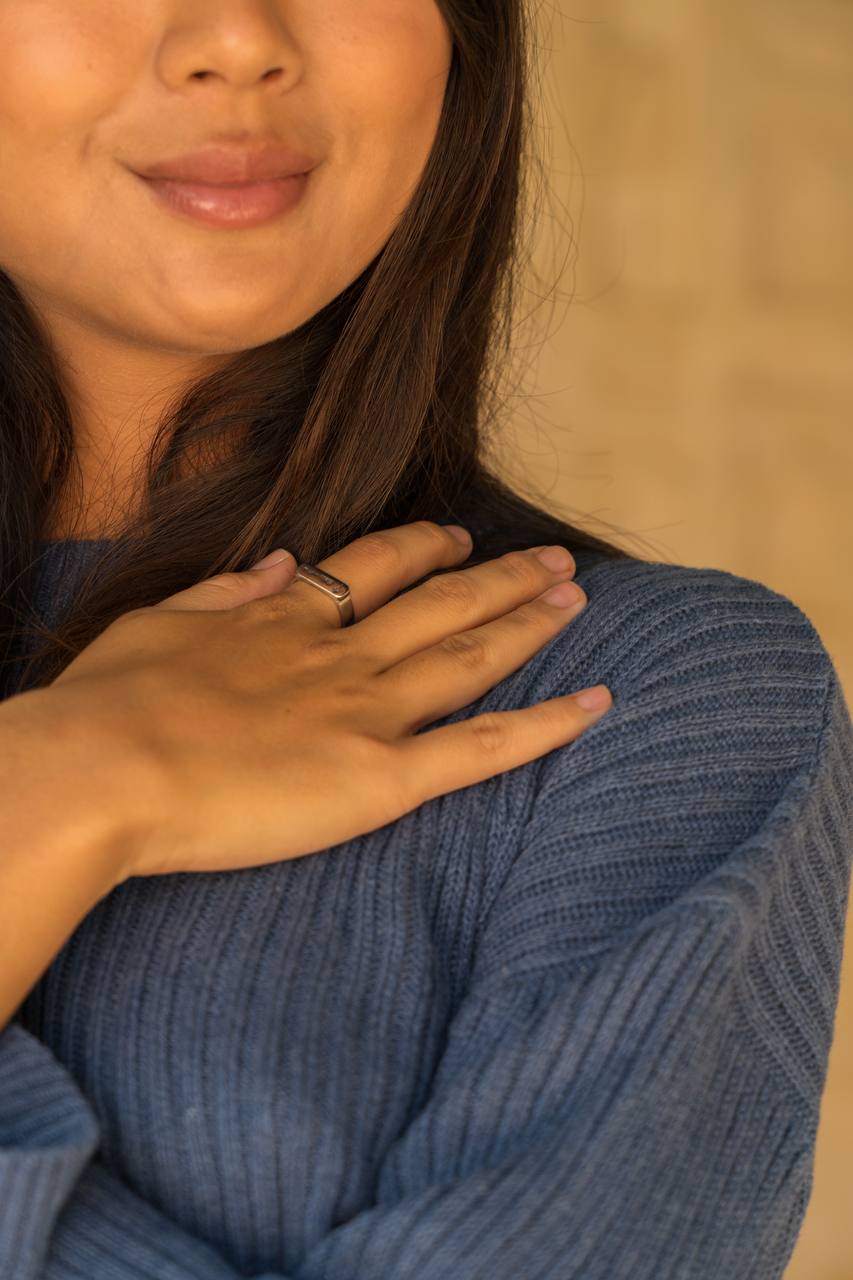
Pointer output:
x,y
243,204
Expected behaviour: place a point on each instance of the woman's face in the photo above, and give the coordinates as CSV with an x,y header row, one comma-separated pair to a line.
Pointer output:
x,y
91,91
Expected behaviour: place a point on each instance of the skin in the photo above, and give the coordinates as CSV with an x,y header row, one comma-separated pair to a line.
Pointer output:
x,y
137,301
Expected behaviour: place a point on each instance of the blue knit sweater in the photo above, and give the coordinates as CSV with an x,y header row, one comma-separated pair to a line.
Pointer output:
x,y
571,1023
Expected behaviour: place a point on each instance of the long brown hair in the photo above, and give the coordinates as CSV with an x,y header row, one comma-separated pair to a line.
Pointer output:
x,y
377,411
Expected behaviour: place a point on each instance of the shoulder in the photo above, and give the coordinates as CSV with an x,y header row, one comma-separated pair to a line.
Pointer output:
x,y
728,732
718,677
677,627
701,662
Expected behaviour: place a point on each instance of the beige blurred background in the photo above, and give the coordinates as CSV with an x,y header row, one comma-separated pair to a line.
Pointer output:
x,y
689,380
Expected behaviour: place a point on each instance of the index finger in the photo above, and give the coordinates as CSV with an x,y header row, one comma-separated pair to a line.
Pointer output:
x,y
376,567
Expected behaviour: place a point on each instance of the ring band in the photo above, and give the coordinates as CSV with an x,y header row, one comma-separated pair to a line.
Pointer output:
x,y
331,586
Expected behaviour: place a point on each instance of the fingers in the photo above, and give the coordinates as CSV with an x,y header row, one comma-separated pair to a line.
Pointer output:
x,y
458,755
376,567
228,590
455,602
453,673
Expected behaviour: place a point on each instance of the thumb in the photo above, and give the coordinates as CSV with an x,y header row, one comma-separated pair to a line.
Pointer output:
x,y
227,590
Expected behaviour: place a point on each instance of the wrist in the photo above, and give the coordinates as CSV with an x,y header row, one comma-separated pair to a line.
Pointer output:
x,y
64,786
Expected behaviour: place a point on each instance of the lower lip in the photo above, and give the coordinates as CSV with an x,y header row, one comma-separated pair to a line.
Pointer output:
x,y
246,206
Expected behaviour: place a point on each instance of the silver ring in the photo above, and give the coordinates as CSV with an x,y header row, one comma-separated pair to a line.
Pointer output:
x,y
330,586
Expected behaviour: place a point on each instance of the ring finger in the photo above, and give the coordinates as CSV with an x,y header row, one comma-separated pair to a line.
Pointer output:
x,y
461,668
449,603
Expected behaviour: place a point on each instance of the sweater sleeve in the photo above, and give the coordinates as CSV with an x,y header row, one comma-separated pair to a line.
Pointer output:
x,y
630,1086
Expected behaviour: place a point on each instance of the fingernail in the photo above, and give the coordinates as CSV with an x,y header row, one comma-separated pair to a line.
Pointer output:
x,y
595,699
557,559
460,534
274,557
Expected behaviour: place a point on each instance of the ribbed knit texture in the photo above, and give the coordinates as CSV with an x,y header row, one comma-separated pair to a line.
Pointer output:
x,y
571,1023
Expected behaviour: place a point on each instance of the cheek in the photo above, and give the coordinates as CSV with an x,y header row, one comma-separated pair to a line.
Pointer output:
x,y
392,80
388,105
53,93
57,76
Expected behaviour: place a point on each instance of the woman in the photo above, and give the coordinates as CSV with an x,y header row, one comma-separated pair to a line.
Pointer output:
x,y
555,996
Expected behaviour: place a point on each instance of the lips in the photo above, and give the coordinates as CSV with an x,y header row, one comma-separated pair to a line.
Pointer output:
x,y
231,166
247,205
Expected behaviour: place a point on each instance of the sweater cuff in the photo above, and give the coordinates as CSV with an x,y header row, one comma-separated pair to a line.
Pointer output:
x,y
48,1133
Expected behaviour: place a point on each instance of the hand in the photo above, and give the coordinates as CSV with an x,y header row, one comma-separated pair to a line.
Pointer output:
x,y
240,724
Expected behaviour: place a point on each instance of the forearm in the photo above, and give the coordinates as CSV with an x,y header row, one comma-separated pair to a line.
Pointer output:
x,y
59,837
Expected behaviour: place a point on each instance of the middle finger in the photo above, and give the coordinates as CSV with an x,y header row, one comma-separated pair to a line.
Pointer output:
x,y
456,601
466,666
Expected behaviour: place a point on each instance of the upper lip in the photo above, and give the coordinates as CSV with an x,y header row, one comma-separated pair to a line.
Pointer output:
x,y
222,165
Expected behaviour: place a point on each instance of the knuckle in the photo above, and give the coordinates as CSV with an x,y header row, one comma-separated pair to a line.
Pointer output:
x,y
381,548
228,587
467,649
492,732
434,533
453,591
521,567
530,615
401,785
555,713
325,649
